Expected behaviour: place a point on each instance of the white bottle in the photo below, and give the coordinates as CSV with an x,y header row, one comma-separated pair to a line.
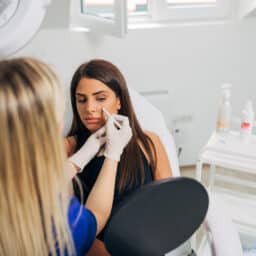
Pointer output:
x,y
225,110
247,120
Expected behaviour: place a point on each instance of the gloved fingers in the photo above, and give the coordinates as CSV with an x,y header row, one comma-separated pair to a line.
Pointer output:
x,y
125,128
102,140
101,132
123,120
114,121
110,123
119,120
101,151
106,114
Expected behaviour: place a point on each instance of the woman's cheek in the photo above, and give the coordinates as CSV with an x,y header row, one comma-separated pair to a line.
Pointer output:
x,y
111,109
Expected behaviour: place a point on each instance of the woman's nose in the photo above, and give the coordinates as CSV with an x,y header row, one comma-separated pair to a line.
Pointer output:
x,y
91,106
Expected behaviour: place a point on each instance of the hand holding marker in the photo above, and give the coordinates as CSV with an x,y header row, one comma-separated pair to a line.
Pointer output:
x,y
118,135
110,116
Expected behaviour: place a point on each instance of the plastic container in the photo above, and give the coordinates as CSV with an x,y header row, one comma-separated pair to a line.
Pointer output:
x,y
247,120
225,110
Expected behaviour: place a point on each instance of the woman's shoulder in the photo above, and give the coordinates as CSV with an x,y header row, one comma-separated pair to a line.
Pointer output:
x,y
163,168
153,136
154,139
70,145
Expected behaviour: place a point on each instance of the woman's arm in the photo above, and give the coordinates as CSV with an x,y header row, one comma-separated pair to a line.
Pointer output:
x,y
100,199
163,168
98,248
70,145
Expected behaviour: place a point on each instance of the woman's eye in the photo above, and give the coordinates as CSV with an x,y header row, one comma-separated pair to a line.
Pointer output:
x,y
101,99
81,100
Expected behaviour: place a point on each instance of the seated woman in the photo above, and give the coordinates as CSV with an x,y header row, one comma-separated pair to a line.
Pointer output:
x,y
39,214
99,84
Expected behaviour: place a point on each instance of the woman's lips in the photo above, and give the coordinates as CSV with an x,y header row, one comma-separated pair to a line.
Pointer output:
x,y
92,120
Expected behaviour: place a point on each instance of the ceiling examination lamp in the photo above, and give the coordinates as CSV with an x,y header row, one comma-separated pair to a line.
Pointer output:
x,y
19,22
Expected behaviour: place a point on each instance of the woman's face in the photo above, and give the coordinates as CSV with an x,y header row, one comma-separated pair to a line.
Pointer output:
x,y
91,95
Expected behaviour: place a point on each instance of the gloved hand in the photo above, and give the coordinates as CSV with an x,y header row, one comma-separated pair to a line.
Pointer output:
x,y
117,139
90,148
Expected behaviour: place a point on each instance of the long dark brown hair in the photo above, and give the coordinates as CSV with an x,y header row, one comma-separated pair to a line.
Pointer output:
x,y
111,76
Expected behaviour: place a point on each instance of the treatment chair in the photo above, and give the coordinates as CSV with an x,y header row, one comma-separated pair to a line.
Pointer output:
x,y
223,238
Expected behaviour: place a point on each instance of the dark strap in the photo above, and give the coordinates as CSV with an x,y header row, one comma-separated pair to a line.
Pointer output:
x,y
192,253
157,218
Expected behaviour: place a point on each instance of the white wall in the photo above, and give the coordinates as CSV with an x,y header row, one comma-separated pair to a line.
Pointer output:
x,y
190,61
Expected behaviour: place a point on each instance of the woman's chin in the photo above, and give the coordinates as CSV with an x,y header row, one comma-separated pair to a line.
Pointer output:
x,y
93,128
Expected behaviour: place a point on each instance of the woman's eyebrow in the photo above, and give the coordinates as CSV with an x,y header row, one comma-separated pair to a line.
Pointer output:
x,y
80,94
94,94
99,92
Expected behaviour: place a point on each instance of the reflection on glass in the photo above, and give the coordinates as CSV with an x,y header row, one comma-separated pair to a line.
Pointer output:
x,y
137,6
105,8
101,8
190,1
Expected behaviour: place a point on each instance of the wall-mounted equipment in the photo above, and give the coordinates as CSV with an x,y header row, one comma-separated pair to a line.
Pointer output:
x,y
19,21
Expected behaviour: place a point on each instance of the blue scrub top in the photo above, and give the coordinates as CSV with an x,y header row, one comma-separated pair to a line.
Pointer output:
x,y
83,226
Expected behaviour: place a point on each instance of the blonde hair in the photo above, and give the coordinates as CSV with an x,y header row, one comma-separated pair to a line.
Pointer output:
x,y
34,191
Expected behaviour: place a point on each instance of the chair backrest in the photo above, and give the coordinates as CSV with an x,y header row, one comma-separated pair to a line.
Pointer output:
x,y
150,118
157,218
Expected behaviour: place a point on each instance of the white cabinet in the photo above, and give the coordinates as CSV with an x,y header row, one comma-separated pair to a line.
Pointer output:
x,y
238,158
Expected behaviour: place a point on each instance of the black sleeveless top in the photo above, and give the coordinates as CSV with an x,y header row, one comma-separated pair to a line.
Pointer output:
x,y
90,173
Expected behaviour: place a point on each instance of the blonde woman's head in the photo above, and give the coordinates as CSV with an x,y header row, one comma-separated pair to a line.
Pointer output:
x,y
33,186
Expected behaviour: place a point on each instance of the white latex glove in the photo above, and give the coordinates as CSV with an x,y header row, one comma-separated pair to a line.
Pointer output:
x,y
117,139
90,148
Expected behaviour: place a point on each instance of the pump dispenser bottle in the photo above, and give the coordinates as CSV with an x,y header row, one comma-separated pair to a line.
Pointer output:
x,y
225,110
